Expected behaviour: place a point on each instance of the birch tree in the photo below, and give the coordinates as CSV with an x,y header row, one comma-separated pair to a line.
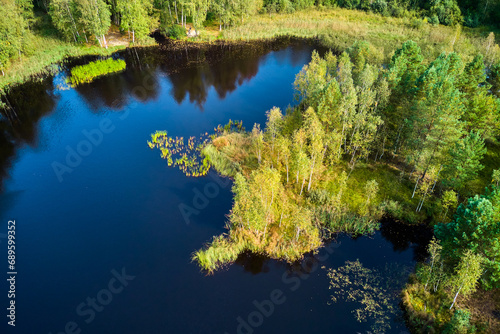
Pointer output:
x,y
135,17
315,136
62,15
95,17
257,141
467,275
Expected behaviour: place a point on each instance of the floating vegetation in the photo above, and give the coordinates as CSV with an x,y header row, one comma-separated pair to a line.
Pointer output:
x,y
89,72
190,157
376,291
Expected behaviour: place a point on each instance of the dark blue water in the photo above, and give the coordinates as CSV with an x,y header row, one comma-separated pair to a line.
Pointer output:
x,y
101,245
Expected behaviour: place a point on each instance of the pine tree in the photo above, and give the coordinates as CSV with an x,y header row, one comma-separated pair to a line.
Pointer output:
x,y
476,227
465,160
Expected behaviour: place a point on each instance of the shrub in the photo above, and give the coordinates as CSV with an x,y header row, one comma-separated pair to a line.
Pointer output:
x,y
379,6
459,323
349,4
417,23
175,32
433,19
319,196
447,12
471,19
393,208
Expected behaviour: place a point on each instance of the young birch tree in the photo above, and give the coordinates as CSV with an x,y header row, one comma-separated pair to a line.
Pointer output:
x,y
468,272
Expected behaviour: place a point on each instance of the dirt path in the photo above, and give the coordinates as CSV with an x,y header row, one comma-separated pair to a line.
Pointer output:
x,y
114,37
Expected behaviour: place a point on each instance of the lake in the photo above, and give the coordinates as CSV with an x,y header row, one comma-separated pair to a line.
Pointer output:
x,y
101,244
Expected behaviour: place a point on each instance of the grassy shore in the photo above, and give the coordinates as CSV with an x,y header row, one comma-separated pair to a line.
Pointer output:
x,y
336,28
48,51
339,28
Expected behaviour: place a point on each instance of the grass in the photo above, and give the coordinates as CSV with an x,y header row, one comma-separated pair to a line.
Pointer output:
x,y
47,51
88,72
221,251
338,28
425,312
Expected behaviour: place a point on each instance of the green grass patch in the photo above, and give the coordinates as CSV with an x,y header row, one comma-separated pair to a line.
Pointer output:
x,y
338,28
89,72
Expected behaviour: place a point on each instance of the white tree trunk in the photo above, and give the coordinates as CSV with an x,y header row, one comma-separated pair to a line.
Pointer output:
x,y
454,299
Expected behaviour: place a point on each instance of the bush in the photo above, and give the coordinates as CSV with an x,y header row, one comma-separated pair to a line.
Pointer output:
x,y
396,10
319,196
471,19
433,19
447,12
459,323
417,23
379,6
349,4
175,32
394,209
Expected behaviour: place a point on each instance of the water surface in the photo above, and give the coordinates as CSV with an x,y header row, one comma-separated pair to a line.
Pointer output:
x,y
92,201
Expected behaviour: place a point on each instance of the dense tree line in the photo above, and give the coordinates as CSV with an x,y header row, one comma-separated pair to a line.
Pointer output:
x,y
447,12
84,21
15,20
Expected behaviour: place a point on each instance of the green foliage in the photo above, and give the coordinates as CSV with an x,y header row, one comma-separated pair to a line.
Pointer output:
x,y
175,32
89,72
494,78
496,177
95,18
63,14
467,274
221,252
459,323
465,160
15,37
135,17
476,228
447,11
220,161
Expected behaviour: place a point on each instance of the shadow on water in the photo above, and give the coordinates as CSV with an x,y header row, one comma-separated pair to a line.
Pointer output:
x,y
192,70
30,102
401,237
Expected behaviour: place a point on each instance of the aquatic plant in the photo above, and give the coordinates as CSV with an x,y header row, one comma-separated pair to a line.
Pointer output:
x,y
195,158
375,291
220,252
89,72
